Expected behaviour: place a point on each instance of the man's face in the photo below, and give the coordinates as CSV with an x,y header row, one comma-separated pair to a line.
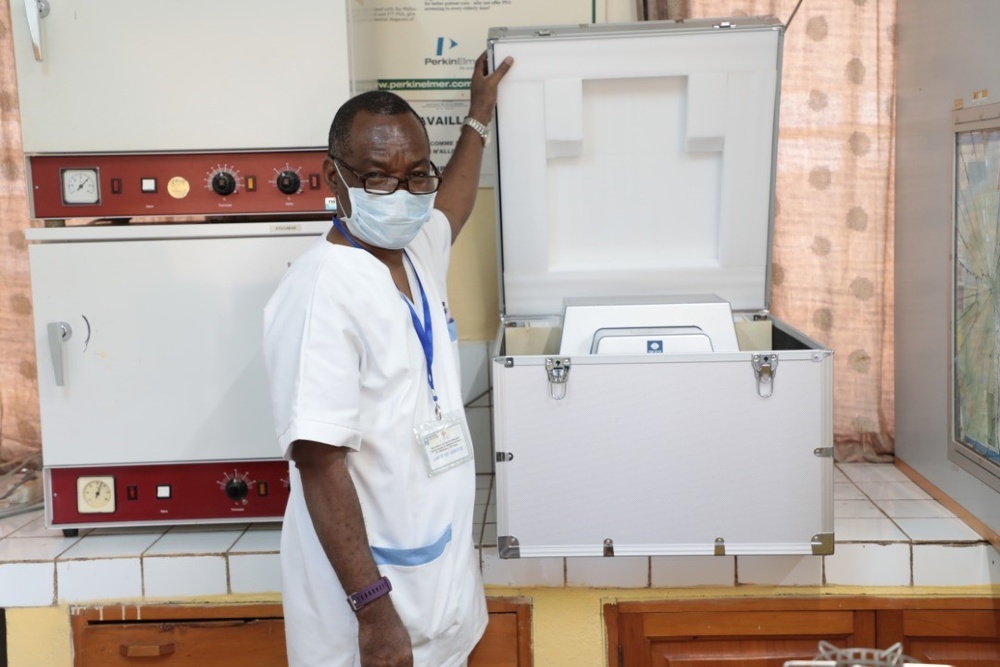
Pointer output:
x,y
393,145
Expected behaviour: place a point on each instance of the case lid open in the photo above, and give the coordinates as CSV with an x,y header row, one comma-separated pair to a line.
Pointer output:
x,y
636,159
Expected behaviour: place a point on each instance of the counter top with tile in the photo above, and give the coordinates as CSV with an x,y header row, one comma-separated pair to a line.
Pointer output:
x,y
888,532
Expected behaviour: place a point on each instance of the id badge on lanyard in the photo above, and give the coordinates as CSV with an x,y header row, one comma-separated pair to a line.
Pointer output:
x,y
444,440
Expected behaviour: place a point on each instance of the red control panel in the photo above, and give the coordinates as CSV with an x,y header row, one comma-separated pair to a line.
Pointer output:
x,y
172,184
168,493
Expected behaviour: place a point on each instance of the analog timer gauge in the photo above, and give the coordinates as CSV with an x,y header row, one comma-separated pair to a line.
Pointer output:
x,y
81,186
95,495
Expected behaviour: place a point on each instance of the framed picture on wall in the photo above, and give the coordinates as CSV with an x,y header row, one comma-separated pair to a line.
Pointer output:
x,y
975,376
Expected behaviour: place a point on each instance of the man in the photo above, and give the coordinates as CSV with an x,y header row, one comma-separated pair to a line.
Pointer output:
x,y
367,401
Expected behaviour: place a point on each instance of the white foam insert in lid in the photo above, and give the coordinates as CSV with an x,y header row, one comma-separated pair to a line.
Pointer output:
x,y
636,164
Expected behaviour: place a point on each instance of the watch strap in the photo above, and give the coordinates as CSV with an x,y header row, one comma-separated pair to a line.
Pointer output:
x,y
479,128
369,593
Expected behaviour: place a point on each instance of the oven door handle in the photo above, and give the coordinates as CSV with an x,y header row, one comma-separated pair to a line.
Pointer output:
x,y
36,10
59,333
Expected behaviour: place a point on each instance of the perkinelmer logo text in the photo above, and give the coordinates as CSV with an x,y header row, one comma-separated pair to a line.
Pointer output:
x,y
449,61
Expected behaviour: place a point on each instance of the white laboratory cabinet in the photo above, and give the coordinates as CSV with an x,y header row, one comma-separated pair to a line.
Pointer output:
x,y
151,381
636,164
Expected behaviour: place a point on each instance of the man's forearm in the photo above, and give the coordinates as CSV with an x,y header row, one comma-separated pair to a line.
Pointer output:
x,y
332,501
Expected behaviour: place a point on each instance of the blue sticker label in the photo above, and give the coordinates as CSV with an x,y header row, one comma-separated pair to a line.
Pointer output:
x,y
654,347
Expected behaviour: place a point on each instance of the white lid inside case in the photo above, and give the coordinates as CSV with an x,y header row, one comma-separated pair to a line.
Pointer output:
x,y
636,159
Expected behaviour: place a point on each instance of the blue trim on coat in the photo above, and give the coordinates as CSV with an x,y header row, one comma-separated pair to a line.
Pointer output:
x,y
412,557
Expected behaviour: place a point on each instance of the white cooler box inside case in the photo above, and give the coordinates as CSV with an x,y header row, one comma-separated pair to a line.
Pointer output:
x,y
637,161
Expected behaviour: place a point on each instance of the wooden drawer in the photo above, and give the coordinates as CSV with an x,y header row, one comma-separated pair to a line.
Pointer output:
x,y
247,635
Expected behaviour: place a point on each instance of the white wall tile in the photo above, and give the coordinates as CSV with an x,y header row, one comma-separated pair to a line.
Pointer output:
x,y
912,509
101,579
34,548
955,565
856,509
617,572
261,541
13,523
868,565
183,576
867,530
254,573
481,431
193,542
869,472
893,491
680,571
489,538
933,530
36,528
521,571
111,545
848,491
27,584
475,370
780,570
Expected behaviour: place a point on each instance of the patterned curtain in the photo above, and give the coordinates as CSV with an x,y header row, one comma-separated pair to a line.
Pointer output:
x,y
833,252
833,237
19,426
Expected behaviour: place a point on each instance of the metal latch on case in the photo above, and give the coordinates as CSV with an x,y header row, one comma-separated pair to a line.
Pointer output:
x,y
558,372
764,368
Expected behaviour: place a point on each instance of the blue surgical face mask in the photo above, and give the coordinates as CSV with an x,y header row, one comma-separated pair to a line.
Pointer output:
x,y
387,221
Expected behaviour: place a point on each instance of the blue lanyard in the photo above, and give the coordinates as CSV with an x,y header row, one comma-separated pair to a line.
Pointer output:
x,y
425,330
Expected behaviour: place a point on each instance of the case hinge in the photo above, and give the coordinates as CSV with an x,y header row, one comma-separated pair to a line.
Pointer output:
x,y
508,547
558,372
609,548
823,452
724,24
764,368
822,544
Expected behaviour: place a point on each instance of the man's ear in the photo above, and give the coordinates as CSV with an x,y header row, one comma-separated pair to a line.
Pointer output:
x,y
330,174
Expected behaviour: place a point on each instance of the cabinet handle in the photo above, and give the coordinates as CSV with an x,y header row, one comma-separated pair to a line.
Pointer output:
x,y
146,650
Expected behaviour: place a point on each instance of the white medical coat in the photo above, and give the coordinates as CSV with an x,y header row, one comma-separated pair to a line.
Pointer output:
x,y
346,368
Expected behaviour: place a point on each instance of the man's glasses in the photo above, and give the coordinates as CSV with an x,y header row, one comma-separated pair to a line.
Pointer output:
x,y
380,184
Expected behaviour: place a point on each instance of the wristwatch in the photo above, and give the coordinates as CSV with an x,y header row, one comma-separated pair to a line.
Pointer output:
x,y
369,593
479,128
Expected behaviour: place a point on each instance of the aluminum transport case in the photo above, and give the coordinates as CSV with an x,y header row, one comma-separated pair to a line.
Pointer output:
x,y
636,161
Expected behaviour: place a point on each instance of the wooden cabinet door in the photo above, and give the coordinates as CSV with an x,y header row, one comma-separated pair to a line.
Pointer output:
x,y
507,640
733,633
949,636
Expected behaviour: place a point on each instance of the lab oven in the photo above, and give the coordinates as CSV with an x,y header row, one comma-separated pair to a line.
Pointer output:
x,y
151,380
174,152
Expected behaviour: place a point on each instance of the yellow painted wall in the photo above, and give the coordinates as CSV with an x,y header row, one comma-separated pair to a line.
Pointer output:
x,y
472,277
38,637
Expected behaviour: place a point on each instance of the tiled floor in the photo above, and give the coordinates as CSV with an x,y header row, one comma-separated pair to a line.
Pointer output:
x,y
888,533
